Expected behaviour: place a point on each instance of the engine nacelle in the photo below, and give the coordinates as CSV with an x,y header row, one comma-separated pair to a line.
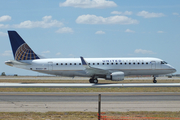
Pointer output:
x,y
115,76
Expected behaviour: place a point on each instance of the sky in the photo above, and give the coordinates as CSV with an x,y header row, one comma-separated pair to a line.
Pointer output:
x,y
92,29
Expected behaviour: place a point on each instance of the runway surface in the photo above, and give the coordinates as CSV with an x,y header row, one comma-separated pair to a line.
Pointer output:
x,y
131,101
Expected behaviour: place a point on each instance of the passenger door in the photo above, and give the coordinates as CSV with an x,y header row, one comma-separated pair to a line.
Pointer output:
x,y
153,65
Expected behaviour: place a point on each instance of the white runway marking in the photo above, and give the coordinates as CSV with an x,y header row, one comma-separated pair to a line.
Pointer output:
x,y
84,85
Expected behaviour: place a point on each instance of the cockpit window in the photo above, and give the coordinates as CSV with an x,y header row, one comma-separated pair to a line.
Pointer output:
x,y
163,62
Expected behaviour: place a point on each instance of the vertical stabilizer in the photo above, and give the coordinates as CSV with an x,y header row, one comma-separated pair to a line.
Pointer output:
x,y
21,50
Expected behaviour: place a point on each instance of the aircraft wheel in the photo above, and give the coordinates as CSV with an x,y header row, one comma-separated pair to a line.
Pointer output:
x,y
91,81
154,81
95,81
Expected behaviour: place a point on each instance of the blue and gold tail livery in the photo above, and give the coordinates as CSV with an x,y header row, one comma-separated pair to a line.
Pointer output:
x,y
21,50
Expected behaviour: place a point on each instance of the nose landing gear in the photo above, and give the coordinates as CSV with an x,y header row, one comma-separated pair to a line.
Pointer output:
x,y
154,80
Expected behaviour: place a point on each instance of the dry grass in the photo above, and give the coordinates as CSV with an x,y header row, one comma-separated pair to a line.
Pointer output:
x,y
81,115
133,89
48,116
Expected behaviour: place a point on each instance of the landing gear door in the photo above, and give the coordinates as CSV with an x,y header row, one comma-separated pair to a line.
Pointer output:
x,y
153,65
50,66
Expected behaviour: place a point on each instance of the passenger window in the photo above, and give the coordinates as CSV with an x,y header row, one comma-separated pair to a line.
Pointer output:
x,y
89,63
70,63
79,63
56,63
102,63
129,63
121,63
125,63
65,63
134,63
107,63
111,63
138,63
116,63
74,63
61,63
93,63
142,63
146,62
97,63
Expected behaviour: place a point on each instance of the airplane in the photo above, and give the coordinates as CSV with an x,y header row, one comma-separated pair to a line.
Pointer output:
x,y
114,69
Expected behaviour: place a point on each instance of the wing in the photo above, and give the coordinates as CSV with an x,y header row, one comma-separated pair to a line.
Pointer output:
x,y
93,70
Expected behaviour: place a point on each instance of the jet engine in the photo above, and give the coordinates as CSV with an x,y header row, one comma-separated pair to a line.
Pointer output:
x,y
115,76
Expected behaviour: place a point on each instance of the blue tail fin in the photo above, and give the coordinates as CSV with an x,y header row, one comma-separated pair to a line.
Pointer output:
x,y
21,50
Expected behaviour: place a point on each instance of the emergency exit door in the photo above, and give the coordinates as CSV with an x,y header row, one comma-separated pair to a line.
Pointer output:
x,y
153,65
50,66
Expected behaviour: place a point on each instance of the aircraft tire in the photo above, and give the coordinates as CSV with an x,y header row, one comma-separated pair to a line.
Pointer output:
x,y
154,81
95,81
91,81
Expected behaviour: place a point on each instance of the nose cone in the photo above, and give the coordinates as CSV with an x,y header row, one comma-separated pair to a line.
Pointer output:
x,y
170,68
173,70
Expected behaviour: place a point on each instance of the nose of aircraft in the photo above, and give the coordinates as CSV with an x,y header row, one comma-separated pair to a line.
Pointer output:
x,y
173,70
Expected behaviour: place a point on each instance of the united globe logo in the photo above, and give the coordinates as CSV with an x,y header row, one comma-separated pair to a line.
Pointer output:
x,y
24,52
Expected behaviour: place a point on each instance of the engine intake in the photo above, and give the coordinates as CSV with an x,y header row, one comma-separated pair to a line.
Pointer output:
x,y
115,76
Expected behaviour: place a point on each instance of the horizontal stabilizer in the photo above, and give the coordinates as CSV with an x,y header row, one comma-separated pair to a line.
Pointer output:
x,y
14,62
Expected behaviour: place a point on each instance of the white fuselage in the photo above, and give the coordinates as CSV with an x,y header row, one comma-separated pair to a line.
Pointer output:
x,y
73,66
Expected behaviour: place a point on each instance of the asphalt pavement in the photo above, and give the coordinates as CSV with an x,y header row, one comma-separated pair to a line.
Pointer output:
x,y
130,101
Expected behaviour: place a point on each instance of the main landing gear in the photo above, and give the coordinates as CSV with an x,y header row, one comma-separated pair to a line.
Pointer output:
x,y
154,80
92,80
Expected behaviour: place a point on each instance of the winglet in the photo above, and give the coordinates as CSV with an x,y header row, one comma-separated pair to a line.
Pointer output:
x,y
84,63
92,70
